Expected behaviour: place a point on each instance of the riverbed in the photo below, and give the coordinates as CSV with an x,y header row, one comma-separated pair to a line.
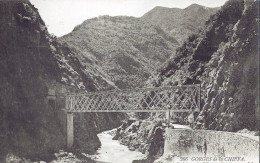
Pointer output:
x,y
111,151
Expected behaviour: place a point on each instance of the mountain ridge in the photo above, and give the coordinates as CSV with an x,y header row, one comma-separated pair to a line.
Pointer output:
x,y
179,23
123,47
126,50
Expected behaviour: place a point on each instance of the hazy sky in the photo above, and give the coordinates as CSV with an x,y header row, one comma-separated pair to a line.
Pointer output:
x,y
61,16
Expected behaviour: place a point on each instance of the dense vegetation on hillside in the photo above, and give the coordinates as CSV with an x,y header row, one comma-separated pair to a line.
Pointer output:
x,y
126,50
123,50
179,23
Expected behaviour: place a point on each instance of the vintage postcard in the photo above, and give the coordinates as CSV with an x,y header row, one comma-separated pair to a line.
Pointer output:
x,y
129,81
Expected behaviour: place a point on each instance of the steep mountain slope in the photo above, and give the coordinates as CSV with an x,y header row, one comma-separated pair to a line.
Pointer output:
x,y
223,58
36,73
126,50
179,23
123,50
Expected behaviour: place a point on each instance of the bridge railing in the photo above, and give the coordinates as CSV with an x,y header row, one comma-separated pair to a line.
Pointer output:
x,y
176,98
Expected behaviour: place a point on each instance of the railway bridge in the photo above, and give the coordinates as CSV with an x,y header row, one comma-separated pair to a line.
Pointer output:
x,y
185,98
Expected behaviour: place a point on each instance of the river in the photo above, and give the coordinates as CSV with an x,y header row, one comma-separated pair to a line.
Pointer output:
x,y
111,151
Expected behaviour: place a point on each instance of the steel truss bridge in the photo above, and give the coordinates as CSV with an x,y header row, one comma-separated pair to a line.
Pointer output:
x,y
184,98
177,98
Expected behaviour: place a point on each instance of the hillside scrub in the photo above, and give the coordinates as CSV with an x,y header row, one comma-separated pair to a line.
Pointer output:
x,y
223,58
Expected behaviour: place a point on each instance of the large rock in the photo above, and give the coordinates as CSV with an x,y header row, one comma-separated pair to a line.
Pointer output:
x,y
145,136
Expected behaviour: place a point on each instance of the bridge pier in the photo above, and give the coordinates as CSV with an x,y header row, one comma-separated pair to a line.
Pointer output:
x,y
70,130
168,118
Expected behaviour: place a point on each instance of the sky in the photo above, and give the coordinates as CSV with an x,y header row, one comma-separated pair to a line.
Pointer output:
x,y
61,16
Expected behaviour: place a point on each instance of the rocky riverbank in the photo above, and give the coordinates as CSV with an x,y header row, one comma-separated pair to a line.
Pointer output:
x,y
146,136
143,135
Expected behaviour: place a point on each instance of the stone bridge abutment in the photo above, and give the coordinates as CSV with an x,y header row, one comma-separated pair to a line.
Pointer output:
x,y
195,144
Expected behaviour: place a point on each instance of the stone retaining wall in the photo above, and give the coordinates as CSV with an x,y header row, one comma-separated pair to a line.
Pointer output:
x,y
207,143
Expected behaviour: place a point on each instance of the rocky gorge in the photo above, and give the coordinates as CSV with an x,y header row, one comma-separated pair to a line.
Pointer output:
x,y
219,51
223,58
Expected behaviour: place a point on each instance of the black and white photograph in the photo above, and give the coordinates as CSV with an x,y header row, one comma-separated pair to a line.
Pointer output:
x,y
129,81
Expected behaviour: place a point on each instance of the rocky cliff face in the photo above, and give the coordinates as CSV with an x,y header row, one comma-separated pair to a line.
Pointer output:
x,y
35,74
223,58
179,23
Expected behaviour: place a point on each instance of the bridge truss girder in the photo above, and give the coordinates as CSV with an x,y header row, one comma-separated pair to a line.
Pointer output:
x,y
160,99
177,99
